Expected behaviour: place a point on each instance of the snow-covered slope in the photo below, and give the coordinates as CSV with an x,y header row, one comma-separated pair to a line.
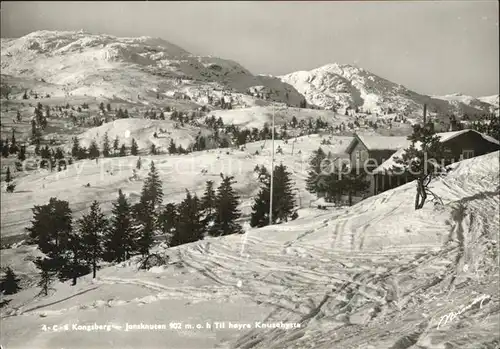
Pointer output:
x,y
177,172
142,130
128,68
258,116
459,100
345,86
493,100
376,275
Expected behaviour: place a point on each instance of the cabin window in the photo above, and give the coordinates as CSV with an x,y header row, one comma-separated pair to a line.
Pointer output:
x,y
467,153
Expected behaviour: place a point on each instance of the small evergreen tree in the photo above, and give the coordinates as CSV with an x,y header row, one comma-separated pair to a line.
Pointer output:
x,y
8,176
5,148
106,148
172,149
92,228
153,150
138,163
190,227
314,172
21,156
146,210
208,204
118,240
152,190
283,198
13,143
9,283
116,144
51,230
75,149
94,150
226,209
123,150
134,149
168,219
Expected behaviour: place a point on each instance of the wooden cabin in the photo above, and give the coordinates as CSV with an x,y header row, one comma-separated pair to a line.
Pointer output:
x,y
458,145
366,153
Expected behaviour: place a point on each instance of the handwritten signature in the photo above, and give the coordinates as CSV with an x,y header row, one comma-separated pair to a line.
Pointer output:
x,y
452,315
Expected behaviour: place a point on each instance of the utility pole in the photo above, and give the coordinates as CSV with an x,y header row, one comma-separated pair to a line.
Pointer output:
x,y
272,175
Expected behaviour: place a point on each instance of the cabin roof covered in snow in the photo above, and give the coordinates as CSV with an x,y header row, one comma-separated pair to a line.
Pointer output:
x,y
444,137
379,142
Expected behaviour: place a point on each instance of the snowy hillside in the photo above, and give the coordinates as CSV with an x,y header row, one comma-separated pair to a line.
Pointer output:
x,y
129,68
342,86
142,130
493,100
489,103
178,172
376,275
258,116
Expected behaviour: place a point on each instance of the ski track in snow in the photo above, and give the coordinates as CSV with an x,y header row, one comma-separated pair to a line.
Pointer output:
x,y
344,275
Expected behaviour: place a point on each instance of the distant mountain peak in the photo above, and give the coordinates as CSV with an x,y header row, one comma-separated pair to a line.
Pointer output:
x,y
347,86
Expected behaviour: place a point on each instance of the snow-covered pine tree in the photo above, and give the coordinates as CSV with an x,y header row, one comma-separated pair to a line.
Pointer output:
x,y
208,204
51,226
260,208
94,150
153,150
172,149
73,256
75,149
190,227
168,219
313,174
93,227
283,198
118,241
9,283
226,209
5,148
152,190
123,150
106,148
134,148
8,176
51,230
21,155
146,210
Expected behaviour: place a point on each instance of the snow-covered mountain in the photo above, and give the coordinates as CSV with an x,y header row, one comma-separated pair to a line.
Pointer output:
x,y
130,68
342,86
482,103
143,68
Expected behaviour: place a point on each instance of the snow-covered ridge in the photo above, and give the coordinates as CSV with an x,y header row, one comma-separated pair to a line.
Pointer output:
x,y
107,66
342,86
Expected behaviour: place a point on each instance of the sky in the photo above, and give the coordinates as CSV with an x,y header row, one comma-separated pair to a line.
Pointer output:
x,y
431,47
